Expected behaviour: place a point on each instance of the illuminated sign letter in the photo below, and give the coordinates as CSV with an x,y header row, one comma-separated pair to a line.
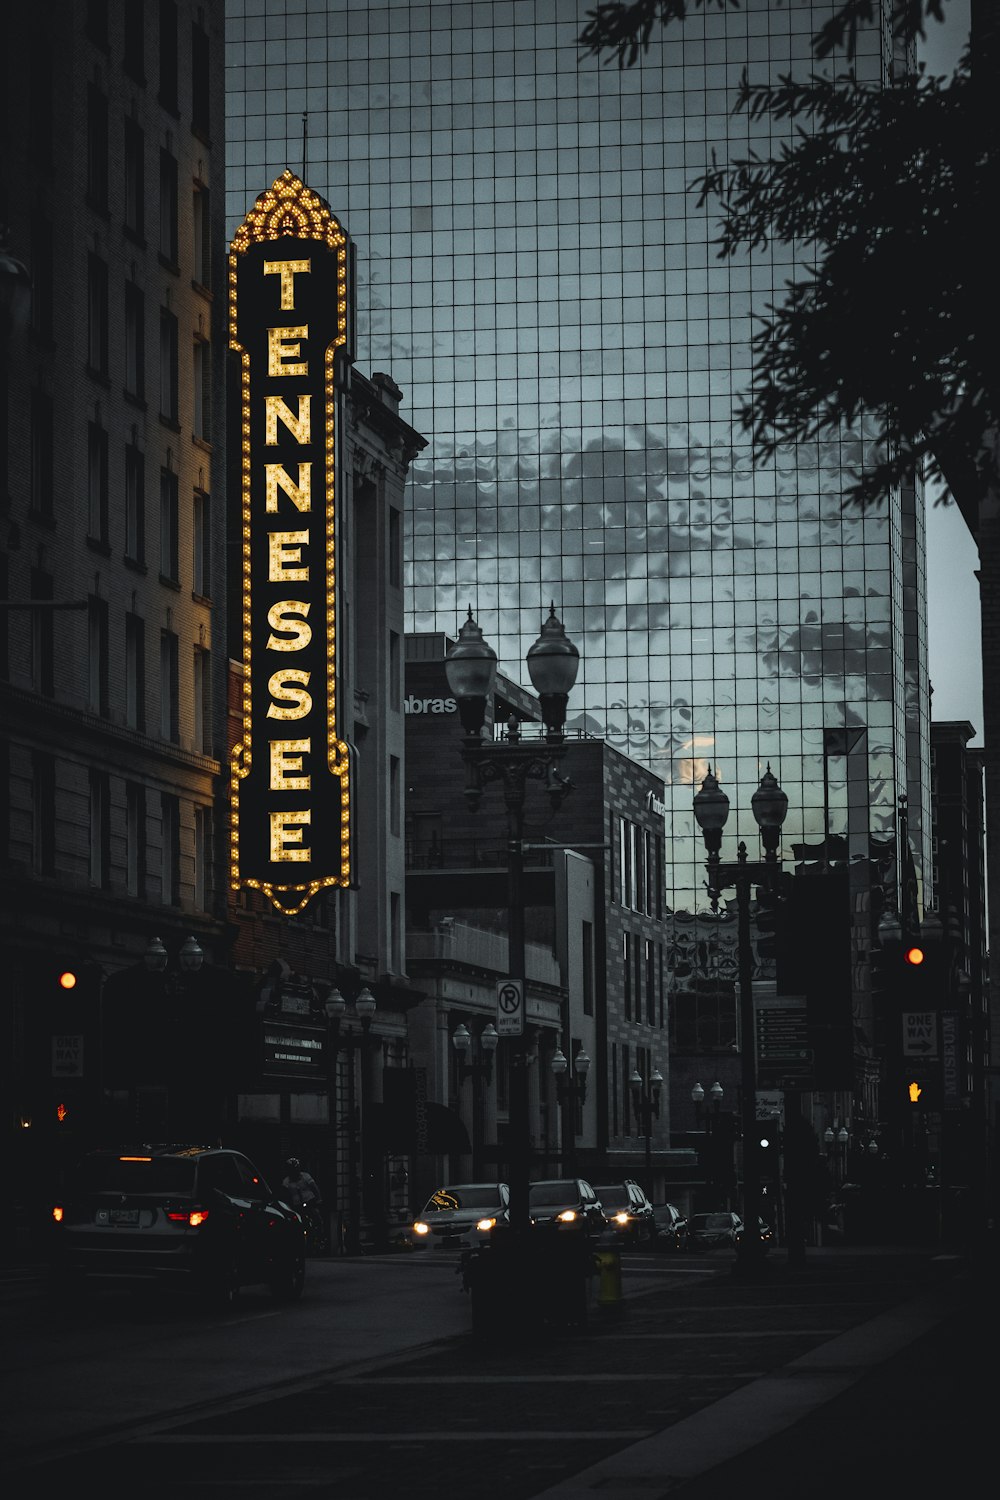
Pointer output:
x,y
278,478
284,692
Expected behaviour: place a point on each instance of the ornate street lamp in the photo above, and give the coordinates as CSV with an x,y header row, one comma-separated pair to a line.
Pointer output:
x,y
353,1043
470,665
647,1106
481,1074
711,809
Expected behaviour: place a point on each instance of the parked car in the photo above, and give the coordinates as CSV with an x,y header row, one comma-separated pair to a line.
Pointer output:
x,y
201,1218
766,1234
671,1227
566,1203
461,1215
628,1211
710,1231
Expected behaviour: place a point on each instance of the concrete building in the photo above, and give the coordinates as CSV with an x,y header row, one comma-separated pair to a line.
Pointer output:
x,y
112,666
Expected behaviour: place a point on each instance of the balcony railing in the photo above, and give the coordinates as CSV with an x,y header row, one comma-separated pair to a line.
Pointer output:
x,y
458,943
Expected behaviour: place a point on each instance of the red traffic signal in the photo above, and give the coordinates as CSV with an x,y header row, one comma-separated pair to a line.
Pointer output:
x,y
914,955
67,979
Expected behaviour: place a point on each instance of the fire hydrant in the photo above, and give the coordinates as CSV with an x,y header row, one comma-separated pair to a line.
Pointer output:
x,y
609,1270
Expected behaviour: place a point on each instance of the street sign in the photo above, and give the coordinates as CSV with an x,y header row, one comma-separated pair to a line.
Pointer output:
x,y
510,1007
920,1037
67,1056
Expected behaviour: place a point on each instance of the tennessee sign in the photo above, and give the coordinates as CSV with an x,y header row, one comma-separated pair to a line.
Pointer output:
x,y
289,315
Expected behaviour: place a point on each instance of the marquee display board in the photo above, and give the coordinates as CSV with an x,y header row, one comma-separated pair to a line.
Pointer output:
x,y
289,315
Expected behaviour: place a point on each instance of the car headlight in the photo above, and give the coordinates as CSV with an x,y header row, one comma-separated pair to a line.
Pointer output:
x,y
421,1228
567,1216
621,1218
485,1224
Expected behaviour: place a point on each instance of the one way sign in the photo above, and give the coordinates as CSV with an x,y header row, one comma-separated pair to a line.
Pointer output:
x,y
920,1033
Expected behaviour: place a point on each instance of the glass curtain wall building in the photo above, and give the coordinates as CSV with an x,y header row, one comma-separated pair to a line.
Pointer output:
x,y
536,274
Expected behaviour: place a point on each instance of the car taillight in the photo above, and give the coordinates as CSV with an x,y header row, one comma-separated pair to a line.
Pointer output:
x,y
58,1213
193,1217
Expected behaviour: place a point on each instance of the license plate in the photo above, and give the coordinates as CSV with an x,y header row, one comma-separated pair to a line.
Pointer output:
x,y
124,1216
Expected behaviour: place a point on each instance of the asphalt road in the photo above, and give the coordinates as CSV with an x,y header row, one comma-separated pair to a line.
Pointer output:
x,y
864,1370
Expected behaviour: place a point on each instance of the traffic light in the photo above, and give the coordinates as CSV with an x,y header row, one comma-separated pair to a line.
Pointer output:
x,y
766,923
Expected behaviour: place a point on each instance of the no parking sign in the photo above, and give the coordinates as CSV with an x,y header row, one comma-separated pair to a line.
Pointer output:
x,y
510,1007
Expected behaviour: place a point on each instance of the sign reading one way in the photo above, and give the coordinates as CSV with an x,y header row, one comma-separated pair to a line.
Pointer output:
x,y
920,1038
510,1007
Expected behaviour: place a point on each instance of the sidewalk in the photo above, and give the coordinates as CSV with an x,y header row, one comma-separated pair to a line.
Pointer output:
x,y
904,1404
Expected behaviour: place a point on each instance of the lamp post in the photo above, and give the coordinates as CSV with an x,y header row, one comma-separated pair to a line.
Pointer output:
x,y
189,960
352,1042
481,1073
711,808
470,665
647,1105
571,1094
711,1120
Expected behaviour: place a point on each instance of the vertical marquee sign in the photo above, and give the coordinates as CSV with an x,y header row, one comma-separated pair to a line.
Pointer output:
x,y
289,311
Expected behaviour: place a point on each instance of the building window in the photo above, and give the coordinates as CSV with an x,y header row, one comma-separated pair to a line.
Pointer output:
x,y
97,316
201,527
201,118
395,548
168,365
396,932
627,973
135,341
42,635
170,850
97,643
169,687
637,973
97,23
100,830
43,813
97,483
135,672
202,701
394,659
168,207
614,1088
203,390
168,55
97,148
42,439
4,630
394,823
135,179
202,236
133,48
202,856
135,839
169,528
650,982
41,276
639,868
135,504
587,967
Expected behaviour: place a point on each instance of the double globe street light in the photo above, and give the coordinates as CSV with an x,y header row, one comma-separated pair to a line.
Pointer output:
x,y
711,809
471,666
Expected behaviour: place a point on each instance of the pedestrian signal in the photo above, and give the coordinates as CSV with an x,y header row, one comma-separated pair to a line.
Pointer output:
x,y
915,1091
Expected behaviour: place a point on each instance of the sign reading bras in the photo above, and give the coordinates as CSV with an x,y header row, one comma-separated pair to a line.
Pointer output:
x,y
289,311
